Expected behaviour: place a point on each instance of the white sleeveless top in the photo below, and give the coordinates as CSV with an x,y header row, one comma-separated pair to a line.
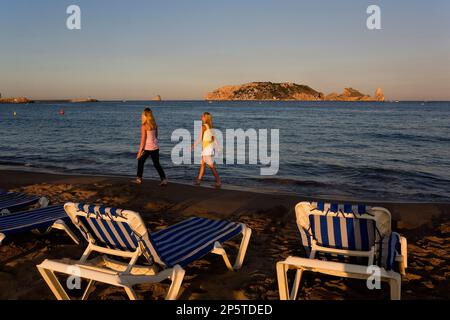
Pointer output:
x,y
207,136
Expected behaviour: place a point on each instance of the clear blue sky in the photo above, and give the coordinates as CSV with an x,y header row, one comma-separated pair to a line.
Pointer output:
x,y
182,49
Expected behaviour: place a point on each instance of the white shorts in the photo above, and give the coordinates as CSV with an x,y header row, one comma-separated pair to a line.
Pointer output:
x,y
208,151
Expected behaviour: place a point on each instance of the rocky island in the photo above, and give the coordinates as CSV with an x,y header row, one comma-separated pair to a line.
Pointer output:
x,y
20,100
88,100
286,91
351,94
23,100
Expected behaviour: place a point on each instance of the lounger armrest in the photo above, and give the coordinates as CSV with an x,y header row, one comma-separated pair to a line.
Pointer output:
x,y
338,269
82,271
335,268
43,202
345,252
402,256
404,248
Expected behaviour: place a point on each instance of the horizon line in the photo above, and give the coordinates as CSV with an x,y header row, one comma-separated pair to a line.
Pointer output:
x,y
268,100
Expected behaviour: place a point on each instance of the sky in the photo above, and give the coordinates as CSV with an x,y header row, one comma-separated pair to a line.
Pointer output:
x,y
136,49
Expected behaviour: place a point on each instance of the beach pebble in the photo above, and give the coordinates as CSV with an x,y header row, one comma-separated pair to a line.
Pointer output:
x,y
435,239
417,251
438,277
413,277
444,228
436,262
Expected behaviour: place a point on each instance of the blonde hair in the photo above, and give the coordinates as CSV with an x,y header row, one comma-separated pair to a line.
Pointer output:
x,y
208,119
148,120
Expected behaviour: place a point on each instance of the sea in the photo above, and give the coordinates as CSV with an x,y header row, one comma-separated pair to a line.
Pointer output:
x,y
392,151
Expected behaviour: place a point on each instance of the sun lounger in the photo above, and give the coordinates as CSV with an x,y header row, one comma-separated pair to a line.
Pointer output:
x,y
122,233
332,234
51,217
12,201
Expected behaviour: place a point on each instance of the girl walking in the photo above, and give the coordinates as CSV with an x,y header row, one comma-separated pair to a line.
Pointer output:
x,y
208,141
149,147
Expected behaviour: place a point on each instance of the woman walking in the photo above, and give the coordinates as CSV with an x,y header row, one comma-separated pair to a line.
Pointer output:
x,y
208,141
149,147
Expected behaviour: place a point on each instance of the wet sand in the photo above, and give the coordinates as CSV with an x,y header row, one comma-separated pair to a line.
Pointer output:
x,y
275,236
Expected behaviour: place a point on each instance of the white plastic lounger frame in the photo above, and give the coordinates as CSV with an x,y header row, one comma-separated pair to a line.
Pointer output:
x,y
126,275
337,269
382,222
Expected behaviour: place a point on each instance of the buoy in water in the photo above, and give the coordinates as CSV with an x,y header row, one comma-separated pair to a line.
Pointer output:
x,y
14,114
61,112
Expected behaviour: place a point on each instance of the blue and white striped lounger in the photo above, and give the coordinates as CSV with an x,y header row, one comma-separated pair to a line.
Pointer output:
x,y
335,233
122,233
11,201
48,217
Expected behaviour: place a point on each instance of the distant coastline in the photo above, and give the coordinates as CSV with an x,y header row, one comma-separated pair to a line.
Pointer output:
x,y
23,100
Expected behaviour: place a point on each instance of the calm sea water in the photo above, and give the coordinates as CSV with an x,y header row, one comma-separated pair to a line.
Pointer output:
x,y
388,151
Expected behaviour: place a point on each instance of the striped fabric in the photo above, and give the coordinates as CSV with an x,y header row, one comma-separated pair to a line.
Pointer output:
x,y
388,251
29,220
104,229
179,244
192,239
16,201
343,233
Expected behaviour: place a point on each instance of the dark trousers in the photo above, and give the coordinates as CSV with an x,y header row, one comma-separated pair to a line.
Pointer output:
x,y
155,158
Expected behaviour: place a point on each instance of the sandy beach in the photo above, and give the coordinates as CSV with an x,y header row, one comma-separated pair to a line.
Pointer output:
x,y
275,236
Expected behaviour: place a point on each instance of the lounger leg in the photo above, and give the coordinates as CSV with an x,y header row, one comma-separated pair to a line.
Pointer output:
x,y
283,288
396,288
246,234
177,278
54,284
131,293
61,225
2,237
297,279
218,249
88,290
